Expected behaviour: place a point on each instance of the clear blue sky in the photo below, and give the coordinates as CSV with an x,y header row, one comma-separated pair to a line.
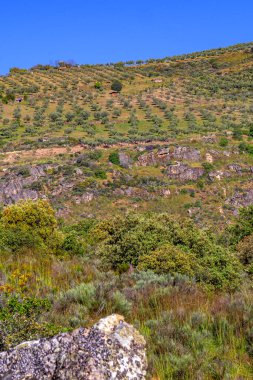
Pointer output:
x,y
99,31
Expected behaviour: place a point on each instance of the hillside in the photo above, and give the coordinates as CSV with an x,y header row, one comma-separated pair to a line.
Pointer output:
x,y
136,201
161,99
177,137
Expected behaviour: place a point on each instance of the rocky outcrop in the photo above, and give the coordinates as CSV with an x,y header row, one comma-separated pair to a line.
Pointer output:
x,y
14,189
186,153
125,160
87,197
133,192
165,155
218,175
15,185
233,170
184,172
210,139
111,349
241,198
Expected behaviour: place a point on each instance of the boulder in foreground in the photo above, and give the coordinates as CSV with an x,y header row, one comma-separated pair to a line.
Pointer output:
x,y
111,349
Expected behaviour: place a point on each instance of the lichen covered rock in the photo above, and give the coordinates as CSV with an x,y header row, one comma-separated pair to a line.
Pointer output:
x,y
165,155
111,349
184,172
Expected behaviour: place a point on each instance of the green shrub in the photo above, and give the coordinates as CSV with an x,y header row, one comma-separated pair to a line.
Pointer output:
x,y
98,86
95,155
116,86
245,252
30,224
80,188
73,244
242,227
141,240
223,142
120,304
100,173
24,171
207,166
169,259
114,158
20,320
84,294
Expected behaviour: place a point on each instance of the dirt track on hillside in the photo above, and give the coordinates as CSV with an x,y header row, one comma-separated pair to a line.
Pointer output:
x,y
36,154
13,156
10,157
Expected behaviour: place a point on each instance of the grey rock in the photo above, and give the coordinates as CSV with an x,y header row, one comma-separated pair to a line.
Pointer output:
x,y
242,198
186,153
210,139
78,171
165,193
14,187
165,155
111,349
133,192
218,175
125,160
85,198
235,168
184,172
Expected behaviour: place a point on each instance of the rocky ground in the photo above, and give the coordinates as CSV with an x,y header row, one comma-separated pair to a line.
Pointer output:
x,y
111,349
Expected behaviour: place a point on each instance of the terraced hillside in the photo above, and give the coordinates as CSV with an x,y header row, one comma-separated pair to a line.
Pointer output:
x,y
177,137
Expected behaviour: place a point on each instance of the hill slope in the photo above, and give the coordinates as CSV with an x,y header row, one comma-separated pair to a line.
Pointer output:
x,y
144,189
170,140
193,94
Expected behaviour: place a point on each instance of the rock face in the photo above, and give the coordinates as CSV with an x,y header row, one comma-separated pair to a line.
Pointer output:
x,y
233,170
133,192
125,160
111,349
184,172
14,186
165,155
241,199
14,189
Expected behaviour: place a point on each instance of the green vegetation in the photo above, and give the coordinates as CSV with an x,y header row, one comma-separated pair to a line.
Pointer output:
x,y
161,273
114,158
157,100
116,86
142,173
161,244
30,225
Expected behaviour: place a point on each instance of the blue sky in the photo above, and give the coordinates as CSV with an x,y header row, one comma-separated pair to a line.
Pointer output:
x,y
99,31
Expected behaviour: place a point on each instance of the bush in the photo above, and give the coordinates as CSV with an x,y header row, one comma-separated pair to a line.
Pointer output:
x,y
84,294
120,304
242,227
73,244
207,166
161,243
98,86
114,158
223,142
100,173
250,134
116,86
20,320
30,224
169,259
245,252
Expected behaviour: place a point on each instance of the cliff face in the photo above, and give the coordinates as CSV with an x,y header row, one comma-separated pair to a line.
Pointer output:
x,y
111,349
